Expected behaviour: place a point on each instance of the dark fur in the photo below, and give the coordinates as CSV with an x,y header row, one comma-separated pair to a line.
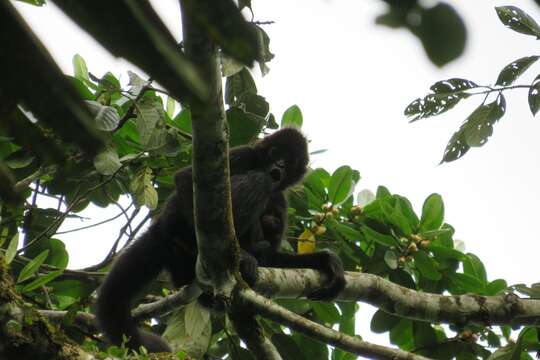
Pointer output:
x,y
259,176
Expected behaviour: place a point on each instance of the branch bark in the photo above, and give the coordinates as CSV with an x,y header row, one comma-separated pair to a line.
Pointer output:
x,y
211,184
267,308
504,309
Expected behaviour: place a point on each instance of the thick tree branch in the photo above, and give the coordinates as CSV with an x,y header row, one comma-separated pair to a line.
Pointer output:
x,y
505,309
211,184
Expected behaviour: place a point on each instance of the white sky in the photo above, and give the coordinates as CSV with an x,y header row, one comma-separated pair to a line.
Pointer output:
x,y
352,80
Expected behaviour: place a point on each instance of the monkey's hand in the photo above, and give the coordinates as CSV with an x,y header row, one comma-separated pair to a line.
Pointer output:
x,y
248,267
332,266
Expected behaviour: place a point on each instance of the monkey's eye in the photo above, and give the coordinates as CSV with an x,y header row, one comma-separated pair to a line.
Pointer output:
x,y
280,163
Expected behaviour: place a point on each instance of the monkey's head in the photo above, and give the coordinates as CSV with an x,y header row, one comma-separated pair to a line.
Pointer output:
x,y
285,153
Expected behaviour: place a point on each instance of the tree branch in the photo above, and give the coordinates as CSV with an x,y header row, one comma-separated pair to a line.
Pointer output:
x,y
504,309
267,308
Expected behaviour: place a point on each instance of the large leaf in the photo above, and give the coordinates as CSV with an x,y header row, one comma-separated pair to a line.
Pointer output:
x,y
238,84
426,266
243,127
189,329
341,185
518,20
442,32
292,117
432,213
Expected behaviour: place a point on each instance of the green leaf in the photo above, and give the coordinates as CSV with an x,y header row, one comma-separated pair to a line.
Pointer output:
x,y
151,123
440,29
34,2
427,267
32,267
314,181
327,312
473,266
41,280
476,129
292,117
514,70
382,322
446,253
340,185
396,218
447,95
238,84
372,235
190,329
107,162
243,127
12,248
347,231
171,105
479,125
518,20
286,345
264,49
143,189
496,286
432,213
382,192
402,334
464,283
534,95
79,68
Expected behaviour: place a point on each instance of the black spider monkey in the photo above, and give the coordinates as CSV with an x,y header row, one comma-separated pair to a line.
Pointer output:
x,y
260,174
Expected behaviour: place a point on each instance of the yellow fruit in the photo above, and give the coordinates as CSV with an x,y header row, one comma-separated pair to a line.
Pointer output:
x,y
306,242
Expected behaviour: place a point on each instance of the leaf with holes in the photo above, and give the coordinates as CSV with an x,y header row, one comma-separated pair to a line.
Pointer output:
x,y
476,129
515,69
456,148
518,20
479,125
151,123
143,190
446,95
534,95
452,85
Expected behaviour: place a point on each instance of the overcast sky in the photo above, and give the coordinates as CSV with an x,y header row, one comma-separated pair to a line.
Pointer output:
x,y
352,80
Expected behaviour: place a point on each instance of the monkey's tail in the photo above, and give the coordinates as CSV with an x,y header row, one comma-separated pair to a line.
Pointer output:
x,y
133,270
